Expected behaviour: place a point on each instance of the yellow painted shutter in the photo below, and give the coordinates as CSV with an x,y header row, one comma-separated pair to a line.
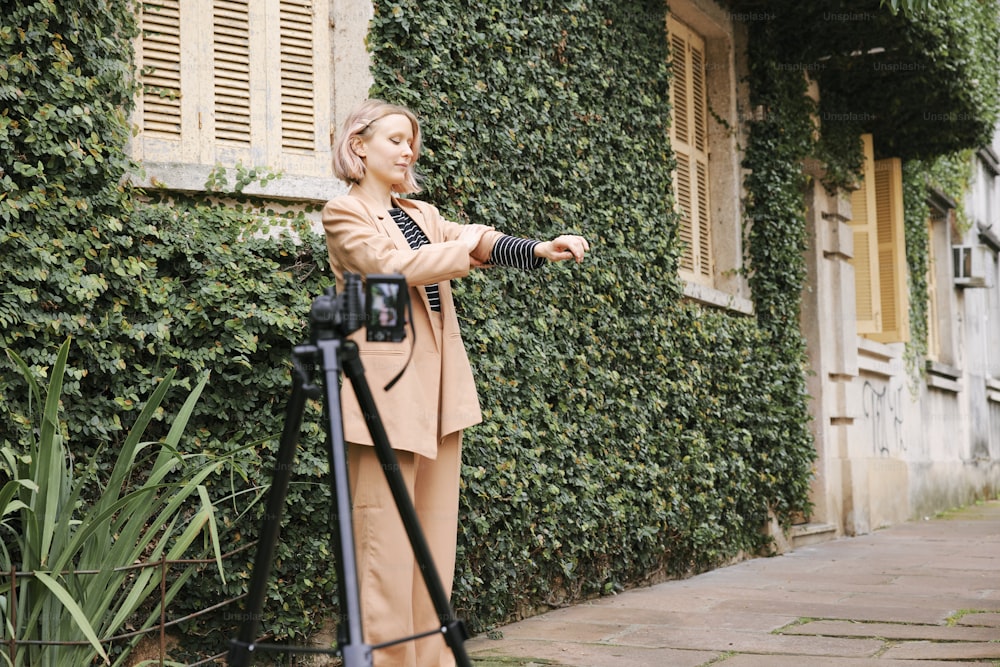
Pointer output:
x,y
865,261
689,139
893,282
933,334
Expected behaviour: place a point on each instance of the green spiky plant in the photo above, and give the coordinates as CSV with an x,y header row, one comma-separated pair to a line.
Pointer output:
x,y
75,557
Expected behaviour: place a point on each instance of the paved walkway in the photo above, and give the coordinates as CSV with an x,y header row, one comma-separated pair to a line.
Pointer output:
x,y
920,594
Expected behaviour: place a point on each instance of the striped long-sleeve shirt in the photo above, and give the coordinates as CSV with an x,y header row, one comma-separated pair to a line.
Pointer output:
x,y
509,251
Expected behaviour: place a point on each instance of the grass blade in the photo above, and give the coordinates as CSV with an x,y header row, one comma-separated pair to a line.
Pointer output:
x,y
50,460
74,609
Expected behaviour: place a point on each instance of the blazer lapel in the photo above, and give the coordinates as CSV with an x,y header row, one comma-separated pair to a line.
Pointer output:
x,y
390,227
418,217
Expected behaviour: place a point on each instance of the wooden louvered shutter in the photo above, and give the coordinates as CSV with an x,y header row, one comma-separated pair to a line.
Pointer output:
x,y
863,225
893,280
689,139
163,108
880,273
231,71
303,110
161,68
298,95
933,332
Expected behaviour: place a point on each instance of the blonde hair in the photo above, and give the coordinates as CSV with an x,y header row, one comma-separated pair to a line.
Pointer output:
x,y
348,166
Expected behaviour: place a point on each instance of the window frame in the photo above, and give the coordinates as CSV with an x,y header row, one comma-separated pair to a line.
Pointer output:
x,y
278,143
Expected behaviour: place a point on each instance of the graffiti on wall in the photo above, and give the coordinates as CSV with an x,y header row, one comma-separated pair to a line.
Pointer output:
x,y
884,413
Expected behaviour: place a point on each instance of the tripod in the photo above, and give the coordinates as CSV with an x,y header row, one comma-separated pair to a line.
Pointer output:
x,y
332,352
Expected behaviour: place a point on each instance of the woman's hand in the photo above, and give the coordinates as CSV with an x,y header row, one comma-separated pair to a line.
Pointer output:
x,y
567,246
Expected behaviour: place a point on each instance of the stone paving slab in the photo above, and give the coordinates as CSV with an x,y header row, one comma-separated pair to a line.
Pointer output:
x,y
945,651
694,619
938,633
793,661
988,619
853,610
589,655
749,642
588,633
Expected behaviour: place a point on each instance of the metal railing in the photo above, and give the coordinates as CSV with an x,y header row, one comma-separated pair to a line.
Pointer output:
x,y
14,644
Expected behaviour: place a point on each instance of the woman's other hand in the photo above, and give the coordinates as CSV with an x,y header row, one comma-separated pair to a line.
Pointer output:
x,y
567,246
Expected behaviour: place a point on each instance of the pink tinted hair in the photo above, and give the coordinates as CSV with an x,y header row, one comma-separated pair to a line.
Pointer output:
x,y
348,166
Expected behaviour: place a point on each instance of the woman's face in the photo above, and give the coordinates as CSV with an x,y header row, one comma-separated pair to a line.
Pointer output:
x,y
387,150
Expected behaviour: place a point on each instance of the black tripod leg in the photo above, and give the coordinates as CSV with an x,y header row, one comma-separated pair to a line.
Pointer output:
x,y
243,646
453,629
352,647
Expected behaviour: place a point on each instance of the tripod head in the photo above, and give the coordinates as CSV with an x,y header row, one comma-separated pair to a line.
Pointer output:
x,y
379,303
336,316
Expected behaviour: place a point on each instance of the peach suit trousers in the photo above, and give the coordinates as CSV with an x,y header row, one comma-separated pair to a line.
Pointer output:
x,y
394,599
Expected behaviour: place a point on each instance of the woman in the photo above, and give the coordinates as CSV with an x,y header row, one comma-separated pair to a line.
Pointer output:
x,y
373,230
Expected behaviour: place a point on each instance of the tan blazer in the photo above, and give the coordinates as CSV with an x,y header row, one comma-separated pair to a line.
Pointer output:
x,y
437,393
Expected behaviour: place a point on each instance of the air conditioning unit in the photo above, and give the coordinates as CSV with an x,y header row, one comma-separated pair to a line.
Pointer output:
x,y
971,266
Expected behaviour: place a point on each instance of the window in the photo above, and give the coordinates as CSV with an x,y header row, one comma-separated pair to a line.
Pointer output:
x,y
689,139
228,82
880,272
708,46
